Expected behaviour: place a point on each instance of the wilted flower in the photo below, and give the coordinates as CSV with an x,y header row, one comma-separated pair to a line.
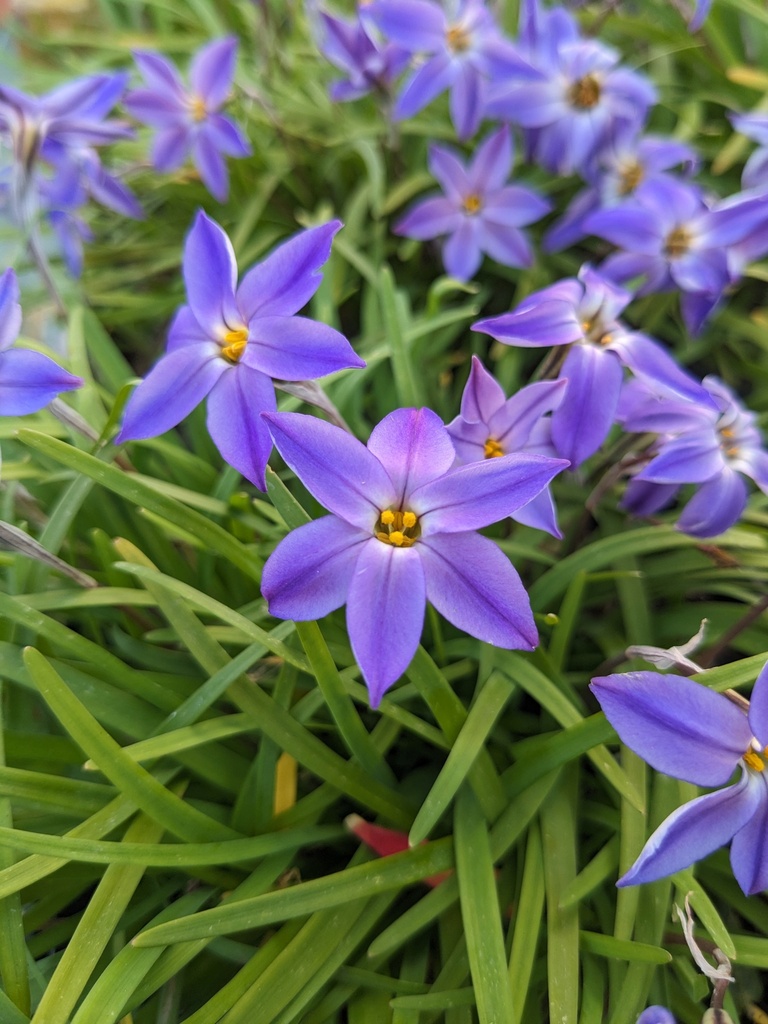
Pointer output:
x,y
479,212
673,238
369,64
491,425
692,733
401,532
463,52
188,120
583,313
713,445
580,97
28,380
230,341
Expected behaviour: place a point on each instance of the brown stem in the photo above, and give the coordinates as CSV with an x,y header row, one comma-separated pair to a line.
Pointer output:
x,y
708,657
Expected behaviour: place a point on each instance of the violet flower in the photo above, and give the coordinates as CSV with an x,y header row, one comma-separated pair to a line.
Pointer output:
x,y
628,162
478,212
188,120
580,97
687,731
230,341
583,313
370,66
491,425
28,380
714,447
700,12
673,239
401,532
656,1015
462,53
754,126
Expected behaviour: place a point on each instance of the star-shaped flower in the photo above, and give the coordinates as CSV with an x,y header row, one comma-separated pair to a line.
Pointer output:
x,y
230,341
401,533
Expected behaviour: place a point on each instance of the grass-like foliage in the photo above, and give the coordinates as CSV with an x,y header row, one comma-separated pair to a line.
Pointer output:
x,y
187,782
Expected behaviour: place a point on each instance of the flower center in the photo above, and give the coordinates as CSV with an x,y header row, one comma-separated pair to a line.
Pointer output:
x,y
472,204
595,332
584,93
727,439
234,344
457,39
755,757
678,242
630,177
398,528
492,448
198,108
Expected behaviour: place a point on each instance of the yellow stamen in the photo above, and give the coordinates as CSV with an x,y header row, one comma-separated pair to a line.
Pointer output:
x,y
397,527
198,108
457,39
234,344
606,339
631,176
585,93
727,432
754,761
678,242
472,204
492,449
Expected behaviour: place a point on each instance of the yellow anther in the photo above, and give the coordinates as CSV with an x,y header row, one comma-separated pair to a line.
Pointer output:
x,y
472,204
234,344
409,520
397,527
457,39
397,538
388,517
198,108
606,339
630,177
492,449
727,432
678,242
585,93
754,760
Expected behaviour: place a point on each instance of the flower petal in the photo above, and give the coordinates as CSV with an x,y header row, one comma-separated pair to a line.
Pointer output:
x,y
385,613
295,348
472,583
210,163
414,24
30,380
540,513
690,459
210,274
758,707
749,849
159,73
445,165
414,447
10,309
430,218
171,390
695,830
212,70
462,254
432,78
716,506
481,493
235,424
513,422
466,101
309,572
170,148
679,727
492,163
483,394
581,422
646,358
536,325
289,276
334,466
506,245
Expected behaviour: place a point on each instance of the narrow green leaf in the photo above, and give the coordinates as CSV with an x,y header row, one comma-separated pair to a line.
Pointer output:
x,y
527,923
623,949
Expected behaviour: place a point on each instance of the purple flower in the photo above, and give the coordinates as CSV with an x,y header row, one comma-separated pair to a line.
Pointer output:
x,y
368,65
478,212
230,341
673,238
687,731
583,313
700,12
628,162
714,447
578,101
401,532
491,426
463,52
28,380
656,1015
188,120
754,126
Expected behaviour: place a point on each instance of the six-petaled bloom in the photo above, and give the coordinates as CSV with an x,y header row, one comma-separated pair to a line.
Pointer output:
x,y
682,728
189,119
230,341
28,380
401,532
479,212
